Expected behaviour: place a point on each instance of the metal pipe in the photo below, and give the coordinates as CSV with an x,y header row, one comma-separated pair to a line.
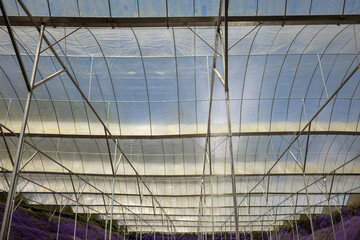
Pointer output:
x,y
177,136
105,232
75,222
219,76
19,150
112,193
28,161
12,211
296,226
305,184
93,175
6,146
341,219
330,212
214,49
48,78
212,209
16,49
59,40
225,59
58,224
207,153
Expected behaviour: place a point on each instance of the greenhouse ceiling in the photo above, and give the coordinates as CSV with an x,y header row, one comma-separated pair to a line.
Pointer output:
x,y
176,116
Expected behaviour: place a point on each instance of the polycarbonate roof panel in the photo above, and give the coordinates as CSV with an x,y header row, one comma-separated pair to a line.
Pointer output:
x,y
173,8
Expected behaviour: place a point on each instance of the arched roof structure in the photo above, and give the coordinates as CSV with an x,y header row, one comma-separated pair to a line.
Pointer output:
x,y
122,129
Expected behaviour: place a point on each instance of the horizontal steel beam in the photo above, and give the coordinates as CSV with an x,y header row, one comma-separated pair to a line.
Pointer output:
x,y
192,225
187,195
200,135
180,176
181,21
195,208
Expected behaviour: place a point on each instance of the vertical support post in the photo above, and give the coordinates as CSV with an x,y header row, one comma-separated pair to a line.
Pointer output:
x,y
225,58
124,232
5,225
330,213
87,226
136,223
113,191
106,220
270,232
277,231
58,225
296,226
12,211
75,222
251,232
292,229
212,208
341,218
305,184
141,210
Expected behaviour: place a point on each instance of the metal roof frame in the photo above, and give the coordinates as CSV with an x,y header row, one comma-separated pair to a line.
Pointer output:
x,y
202,226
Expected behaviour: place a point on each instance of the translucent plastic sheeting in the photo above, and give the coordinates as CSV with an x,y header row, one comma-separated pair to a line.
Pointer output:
x,y
175,196
172,8
155,81
184,157
257,216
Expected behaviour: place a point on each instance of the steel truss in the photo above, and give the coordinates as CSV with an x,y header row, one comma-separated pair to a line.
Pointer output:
x,y
218,22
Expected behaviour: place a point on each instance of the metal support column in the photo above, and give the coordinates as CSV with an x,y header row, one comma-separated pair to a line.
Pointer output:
x,y
113,187
58,225
330,213
87,226
341,218
225,47
212,207
296,226
19,150
106,220
305,184
75,222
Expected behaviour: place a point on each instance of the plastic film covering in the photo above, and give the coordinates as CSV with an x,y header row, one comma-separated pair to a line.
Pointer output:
x,y
157,81
151,89
162,8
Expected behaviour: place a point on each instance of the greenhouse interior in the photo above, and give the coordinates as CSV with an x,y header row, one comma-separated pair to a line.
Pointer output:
x,y
180,119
